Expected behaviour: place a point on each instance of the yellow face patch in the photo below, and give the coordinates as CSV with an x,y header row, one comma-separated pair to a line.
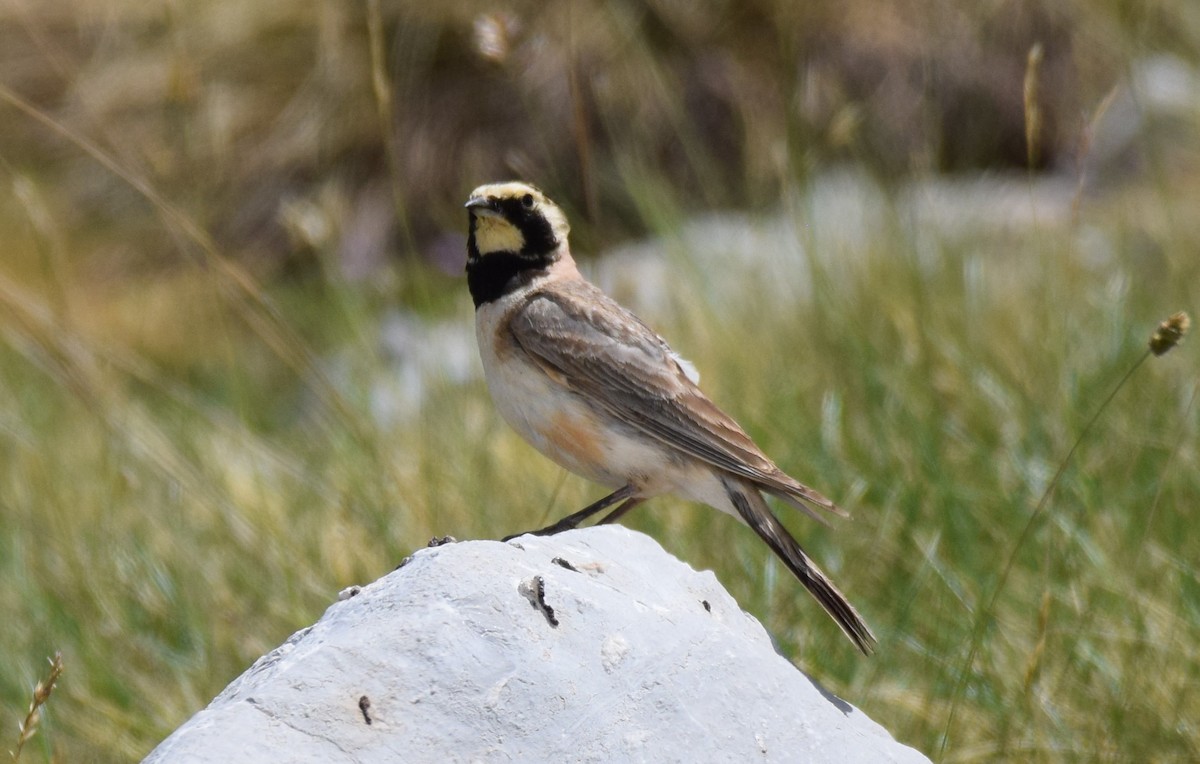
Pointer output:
x,y
495,234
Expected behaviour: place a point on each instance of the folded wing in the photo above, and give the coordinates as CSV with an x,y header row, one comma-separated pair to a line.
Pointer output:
x,y
596,348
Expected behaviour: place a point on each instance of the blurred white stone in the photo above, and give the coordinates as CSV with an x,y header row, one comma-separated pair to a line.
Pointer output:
x,y
593,645
834,226
1167,85
1158,106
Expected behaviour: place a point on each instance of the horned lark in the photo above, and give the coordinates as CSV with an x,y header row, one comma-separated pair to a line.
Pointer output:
x,y
596,390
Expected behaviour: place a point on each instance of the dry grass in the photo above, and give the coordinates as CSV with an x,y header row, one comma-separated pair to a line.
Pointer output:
x,y
192,463
28,726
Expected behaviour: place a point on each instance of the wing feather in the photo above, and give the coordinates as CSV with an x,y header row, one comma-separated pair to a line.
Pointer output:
x,y
601,351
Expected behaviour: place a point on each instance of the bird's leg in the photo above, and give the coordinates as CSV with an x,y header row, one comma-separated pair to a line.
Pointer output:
x,y
620,511
571,521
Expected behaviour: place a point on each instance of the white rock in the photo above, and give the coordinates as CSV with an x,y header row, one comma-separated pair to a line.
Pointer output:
x,y
593,645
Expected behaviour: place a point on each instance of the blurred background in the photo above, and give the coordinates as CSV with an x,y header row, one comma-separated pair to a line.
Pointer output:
x,y
912,246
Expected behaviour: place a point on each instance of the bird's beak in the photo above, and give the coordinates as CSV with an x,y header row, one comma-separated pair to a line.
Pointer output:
x,y
482,205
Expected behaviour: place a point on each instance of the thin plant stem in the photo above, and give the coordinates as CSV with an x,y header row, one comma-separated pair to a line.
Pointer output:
x,y
986,613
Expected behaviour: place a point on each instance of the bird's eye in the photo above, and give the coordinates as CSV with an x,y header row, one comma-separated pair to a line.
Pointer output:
x,y
527,200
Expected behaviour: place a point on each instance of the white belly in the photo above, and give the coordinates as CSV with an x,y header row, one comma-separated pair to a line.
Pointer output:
x,y
562,425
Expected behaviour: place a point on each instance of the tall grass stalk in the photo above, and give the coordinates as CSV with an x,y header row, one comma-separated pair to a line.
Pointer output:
x,y
1166,336
28,726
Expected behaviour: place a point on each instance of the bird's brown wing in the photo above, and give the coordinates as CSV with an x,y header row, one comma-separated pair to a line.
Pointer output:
x,y
594,347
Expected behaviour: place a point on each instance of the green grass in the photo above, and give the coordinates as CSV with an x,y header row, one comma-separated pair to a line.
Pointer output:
x,y
164,522
190,468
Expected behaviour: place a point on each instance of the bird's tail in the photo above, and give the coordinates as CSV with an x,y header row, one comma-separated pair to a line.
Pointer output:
x,y
753,509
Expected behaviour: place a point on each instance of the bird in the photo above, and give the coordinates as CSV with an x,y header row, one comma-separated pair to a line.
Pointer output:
x,y
596,390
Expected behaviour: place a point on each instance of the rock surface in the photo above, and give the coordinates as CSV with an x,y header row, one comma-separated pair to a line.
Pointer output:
x,y
593,645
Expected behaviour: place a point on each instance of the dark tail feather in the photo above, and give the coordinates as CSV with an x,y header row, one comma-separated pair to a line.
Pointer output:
x,y
754,510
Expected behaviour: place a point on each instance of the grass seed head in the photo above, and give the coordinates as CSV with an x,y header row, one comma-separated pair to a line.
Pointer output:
x,y
41,693
1169,333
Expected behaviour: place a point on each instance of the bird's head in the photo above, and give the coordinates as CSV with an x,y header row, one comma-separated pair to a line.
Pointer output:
x,y
514,218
